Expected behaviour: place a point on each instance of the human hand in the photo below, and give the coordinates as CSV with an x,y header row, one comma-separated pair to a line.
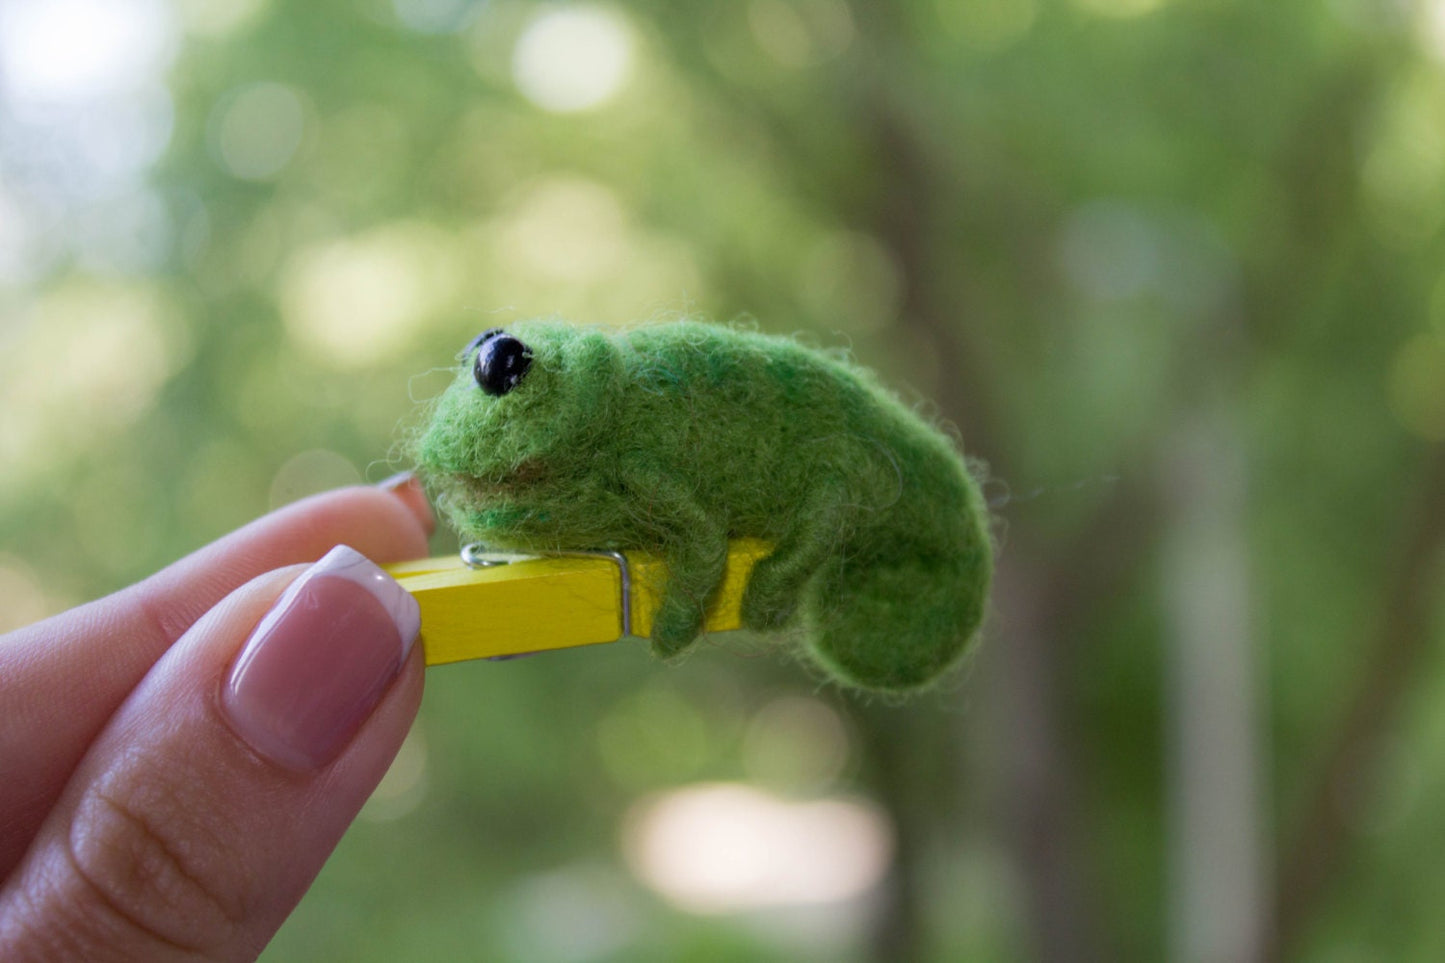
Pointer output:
x,y
176,763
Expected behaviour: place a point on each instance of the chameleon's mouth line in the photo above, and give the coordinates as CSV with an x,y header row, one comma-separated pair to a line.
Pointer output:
x,y
489,489
480,491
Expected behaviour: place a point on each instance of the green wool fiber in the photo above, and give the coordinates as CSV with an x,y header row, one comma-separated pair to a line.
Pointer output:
x,y
676,437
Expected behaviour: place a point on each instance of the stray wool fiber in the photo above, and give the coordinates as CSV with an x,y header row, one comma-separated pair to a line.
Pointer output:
x,y
676,437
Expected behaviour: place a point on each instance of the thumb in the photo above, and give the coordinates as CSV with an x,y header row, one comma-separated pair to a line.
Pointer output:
x,y
206,807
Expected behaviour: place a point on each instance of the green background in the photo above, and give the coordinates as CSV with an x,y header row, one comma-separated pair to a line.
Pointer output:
x,y
1172,267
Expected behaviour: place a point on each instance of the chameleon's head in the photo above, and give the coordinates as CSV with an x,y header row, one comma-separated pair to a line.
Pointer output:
x,y
516,430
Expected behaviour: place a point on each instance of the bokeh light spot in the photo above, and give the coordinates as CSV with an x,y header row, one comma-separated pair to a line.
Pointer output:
x,y
257,131
573,58
653,737
566,229
780,31
1430,27
85,362
795,744
1404,167
353,302
799,33
728,848
83,112
55,52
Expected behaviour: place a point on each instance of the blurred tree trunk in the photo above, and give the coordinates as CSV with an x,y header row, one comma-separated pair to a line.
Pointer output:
x,y
908,775
1040,804
1217,872
1036,778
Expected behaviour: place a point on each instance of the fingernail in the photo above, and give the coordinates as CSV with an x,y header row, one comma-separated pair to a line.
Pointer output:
x,y
404,485
320,660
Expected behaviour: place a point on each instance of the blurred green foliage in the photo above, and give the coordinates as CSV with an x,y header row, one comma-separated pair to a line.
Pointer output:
x,y
1080,230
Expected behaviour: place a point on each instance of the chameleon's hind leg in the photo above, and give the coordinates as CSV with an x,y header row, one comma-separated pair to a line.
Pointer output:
x,y
891,626
776,584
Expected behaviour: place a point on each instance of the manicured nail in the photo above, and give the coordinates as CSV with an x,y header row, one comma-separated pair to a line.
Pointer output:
x,y
320,660
404,485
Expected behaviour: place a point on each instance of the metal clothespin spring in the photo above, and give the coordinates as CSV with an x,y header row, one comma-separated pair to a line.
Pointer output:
x,y
476,555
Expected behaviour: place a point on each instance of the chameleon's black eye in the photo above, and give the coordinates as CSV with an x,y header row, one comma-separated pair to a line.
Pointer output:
x,y
473,344
501,362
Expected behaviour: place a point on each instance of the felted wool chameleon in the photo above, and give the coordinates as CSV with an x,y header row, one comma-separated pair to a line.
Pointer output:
x,y
675,437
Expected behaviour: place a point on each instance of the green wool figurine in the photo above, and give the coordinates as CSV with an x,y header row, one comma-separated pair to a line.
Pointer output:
x,y
676,437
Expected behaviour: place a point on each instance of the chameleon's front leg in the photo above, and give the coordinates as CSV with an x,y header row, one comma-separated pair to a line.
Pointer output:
x,y
694,572
696,556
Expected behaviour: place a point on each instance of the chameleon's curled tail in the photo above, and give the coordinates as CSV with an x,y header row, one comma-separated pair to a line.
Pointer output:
x,y
894,625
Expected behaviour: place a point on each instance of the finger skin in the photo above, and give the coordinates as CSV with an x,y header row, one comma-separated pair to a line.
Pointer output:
x,y
174,840
61,680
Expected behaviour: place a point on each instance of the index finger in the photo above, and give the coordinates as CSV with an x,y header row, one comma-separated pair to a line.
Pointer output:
x,y
62,679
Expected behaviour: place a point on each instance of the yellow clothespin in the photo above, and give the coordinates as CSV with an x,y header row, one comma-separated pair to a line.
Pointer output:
x,y
485,606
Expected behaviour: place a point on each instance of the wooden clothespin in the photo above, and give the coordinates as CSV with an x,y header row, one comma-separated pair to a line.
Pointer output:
x,y
492,606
